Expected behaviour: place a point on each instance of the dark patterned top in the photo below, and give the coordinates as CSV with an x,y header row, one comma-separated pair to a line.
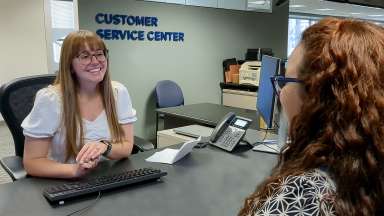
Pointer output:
x,y
311,193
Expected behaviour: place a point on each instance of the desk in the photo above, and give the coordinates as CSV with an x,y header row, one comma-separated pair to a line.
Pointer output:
x,y
207,182
203,113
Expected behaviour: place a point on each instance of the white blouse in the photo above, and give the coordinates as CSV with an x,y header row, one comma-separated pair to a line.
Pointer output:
x,y
44,120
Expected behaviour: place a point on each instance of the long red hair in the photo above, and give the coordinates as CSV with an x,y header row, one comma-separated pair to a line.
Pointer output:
x,y
341,122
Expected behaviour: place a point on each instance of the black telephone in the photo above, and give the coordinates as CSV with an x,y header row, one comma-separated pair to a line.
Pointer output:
x,y
229,131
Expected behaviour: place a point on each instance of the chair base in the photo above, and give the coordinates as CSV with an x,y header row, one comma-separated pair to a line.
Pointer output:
x,y
141,145
13,165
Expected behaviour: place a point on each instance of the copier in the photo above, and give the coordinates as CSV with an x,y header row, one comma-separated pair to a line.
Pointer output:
x,y
249,73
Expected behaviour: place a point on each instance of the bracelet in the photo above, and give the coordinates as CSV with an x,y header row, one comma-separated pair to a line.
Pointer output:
x,y
109,147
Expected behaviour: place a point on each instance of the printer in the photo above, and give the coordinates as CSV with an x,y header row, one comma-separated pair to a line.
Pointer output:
x,y
249,73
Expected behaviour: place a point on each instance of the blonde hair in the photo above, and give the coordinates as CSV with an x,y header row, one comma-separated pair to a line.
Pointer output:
x,y
67,83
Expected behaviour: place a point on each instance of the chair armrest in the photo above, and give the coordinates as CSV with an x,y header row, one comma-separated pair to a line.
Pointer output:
x,y
142,144
13,165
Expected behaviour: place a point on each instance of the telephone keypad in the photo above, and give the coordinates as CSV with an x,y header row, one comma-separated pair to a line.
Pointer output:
x,y
230,137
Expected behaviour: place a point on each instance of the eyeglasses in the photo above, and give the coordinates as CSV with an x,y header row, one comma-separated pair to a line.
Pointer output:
x,y
85,58
278,82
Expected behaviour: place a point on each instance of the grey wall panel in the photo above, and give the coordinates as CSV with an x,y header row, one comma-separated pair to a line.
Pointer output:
x,y
211,35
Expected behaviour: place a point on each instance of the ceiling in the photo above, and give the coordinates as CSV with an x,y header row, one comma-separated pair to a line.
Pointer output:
x,y
327,8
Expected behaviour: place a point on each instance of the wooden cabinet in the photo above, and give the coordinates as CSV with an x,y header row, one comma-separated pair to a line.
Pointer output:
x,y
238,95
168,137
238,98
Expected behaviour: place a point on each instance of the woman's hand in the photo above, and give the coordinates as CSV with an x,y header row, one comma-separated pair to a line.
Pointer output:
x,y
81,169
90,152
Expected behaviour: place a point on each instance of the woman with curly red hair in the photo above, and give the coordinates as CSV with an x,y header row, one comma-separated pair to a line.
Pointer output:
x,y
333,96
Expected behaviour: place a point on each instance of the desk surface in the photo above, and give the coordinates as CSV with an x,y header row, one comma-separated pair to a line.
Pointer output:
x,y
208,181
208,113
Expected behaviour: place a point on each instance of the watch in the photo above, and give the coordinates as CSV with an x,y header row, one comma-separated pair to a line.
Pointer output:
x,y
109,147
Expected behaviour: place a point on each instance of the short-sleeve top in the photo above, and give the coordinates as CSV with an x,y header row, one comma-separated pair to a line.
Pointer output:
x,y
311,193
44,120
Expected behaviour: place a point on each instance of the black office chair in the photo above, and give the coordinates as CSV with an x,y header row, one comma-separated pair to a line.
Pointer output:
x,y
16,101
168,94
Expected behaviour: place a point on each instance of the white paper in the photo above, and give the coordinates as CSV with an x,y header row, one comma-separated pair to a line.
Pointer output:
x,y
170,156
272,148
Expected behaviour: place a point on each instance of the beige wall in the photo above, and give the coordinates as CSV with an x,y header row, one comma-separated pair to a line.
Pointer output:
x,y
22,39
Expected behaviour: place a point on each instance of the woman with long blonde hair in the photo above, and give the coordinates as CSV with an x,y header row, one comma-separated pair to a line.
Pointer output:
x,y
81,117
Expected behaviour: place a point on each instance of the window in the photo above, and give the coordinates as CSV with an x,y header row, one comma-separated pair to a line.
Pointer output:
x,y
62,23
296,26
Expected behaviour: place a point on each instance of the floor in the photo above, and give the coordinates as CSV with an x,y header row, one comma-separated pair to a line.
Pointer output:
x,y
6,149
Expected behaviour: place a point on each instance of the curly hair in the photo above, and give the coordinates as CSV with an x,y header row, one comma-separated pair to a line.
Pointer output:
x,y
341,122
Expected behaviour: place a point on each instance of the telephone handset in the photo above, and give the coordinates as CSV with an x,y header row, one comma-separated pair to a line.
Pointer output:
x,y
229,131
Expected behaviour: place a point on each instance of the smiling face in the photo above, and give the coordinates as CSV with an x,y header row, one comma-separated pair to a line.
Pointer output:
x,y
90,65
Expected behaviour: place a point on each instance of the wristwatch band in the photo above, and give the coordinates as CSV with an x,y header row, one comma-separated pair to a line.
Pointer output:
x,y
109,147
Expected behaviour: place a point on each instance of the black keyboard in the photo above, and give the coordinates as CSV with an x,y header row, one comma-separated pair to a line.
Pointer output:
x,y
65,191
